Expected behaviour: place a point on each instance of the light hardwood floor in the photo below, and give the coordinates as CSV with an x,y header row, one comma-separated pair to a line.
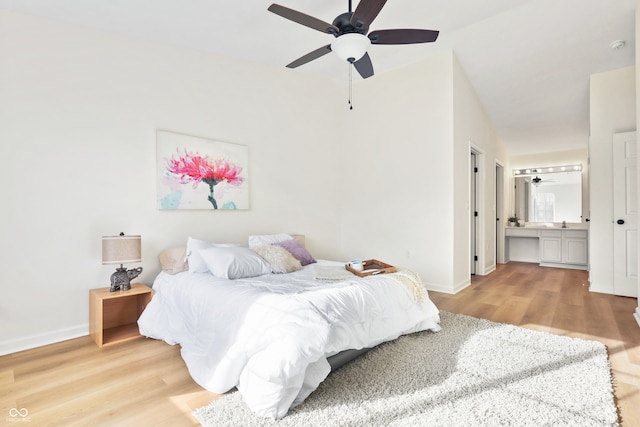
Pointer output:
x,y
145,382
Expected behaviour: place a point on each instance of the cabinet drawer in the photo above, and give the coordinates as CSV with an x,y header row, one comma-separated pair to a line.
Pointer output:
x,y
575,234
520,232
551,233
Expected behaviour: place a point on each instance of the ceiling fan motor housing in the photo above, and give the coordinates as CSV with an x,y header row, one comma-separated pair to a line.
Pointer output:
x,y
343,22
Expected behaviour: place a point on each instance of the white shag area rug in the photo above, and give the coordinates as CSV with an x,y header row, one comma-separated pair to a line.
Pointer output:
x,y
472,373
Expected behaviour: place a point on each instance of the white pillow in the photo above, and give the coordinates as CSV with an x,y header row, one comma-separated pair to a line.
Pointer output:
x,y
234,262
279,258
267,239
196,263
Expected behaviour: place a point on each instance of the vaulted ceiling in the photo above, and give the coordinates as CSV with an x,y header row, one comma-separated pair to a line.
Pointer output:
x,y
528,60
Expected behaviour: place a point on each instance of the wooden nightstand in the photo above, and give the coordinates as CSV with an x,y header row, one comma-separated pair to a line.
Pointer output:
x,y
113,316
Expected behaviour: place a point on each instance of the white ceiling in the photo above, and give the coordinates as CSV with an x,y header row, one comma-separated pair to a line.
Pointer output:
x,y
528,60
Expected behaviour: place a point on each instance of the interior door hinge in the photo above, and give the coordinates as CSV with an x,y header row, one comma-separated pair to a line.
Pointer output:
x,y
475,213
475,169
475,257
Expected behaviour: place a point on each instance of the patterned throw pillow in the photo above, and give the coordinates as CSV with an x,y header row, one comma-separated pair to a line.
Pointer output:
x,y
279,258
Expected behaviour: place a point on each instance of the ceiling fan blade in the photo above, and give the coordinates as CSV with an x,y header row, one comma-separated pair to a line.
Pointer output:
x,y
403,36
303,19
365,13
310,56
364,66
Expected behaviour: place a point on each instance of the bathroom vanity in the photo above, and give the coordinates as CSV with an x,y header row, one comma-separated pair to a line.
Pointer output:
x,y
549,246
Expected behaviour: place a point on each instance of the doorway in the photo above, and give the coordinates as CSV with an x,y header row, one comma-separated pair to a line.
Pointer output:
x,y
478,253
473,208
499,212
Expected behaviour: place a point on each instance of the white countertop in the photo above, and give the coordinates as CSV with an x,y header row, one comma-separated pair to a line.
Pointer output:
x,y
554,226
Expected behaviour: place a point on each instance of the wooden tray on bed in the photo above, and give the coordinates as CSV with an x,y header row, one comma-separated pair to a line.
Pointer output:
x,y
372,266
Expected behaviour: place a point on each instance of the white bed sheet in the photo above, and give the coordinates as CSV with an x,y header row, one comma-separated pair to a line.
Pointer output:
x,y
270,336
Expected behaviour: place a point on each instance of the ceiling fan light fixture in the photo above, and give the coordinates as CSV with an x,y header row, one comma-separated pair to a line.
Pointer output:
x,y
351,47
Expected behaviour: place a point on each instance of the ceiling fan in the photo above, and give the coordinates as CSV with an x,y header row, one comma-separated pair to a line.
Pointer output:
x,y
537,180
350,30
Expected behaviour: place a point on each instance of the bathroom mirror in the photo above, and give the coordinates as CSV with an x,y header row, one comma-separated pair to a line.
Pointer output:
x,y
549,197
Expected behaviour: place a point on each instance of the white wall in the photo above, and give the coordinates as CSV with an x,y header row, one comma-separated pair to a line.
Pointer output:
x,y
612,110
408,188
637,312
398,206
79,111
473,130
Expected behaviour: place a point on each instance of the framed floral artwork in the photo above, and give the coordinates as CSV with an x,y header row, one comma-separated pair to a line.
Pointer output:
x,y
200,173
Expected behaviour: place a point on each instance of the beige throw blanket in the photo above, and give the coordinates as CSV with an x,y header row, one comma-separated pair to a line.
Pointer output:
x,y
411,281
407,278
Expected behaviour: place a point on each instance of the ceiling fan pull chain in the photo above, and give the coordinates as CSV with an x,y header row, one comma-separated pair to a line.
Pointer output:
x,y
350,87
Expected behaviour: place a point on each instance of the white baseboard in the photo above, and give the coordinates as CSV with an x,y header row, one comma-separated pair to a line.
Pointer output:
x,y
602,289
636,315
446,289
461,285
33,341
439,288
489,270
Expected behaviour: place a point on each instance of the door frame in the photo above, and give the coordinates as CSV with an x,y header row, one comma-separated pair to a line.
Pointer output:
x,y
499,213
473,212
479,195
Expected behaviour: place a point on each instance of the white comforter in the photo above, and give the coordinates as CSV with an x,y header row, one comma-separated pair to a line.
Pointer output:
x,y
270,336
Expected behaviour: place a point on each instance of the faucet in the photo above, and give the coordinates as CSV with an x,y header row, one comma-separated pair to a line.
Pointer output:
x,y
564,224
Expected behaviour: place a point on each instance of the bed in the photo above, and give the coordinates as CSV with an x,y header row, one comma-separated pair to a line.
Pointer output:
x,y
276,336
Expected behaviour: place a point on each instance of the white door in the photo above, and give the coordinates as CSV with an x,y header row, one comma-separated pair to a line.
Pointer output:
x,y
473,202
625,211
499,212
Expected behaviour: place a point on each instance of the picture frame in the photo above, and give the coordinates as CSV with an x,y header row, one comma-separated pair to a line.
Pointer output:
x,y
197,173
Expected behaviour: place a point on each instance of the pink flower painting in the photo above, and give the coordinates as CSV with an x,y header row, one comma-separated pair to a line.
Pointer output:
x,y
183,172
196,168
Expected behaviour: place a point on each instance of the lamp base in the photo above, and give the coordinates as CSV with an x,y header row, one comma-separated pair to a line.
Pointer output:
x,y
121,279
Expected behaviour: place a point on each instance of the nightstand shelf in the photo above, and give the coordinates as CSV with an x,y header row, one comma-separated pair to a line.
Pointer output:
x,y
114,315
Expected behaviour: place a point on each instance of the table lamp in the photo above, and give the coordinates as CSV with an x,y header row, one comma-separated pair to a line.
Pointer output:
x,y
120,250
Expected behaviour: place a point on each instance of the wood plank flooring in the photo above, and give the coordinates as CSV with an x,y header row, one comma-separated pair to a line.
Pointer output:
x,y
142,382
145,382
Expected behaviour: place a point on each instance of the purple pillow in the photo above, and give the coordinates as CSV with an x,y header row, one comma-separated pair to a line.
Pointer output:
x,y
297,250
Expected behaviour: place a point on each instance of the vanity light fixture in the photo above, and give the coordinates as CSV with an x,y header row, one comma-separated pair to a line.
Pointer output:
x,y
547,169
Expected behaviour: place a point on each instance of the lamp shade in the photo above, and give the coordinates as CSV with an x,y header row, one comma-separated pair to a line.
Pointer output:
x,y
121,249
351,46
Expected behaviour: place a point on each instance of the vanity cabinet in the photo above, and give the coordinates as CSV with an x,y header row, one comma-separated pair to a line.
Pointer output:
x,y
550,246
564,248
575,247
